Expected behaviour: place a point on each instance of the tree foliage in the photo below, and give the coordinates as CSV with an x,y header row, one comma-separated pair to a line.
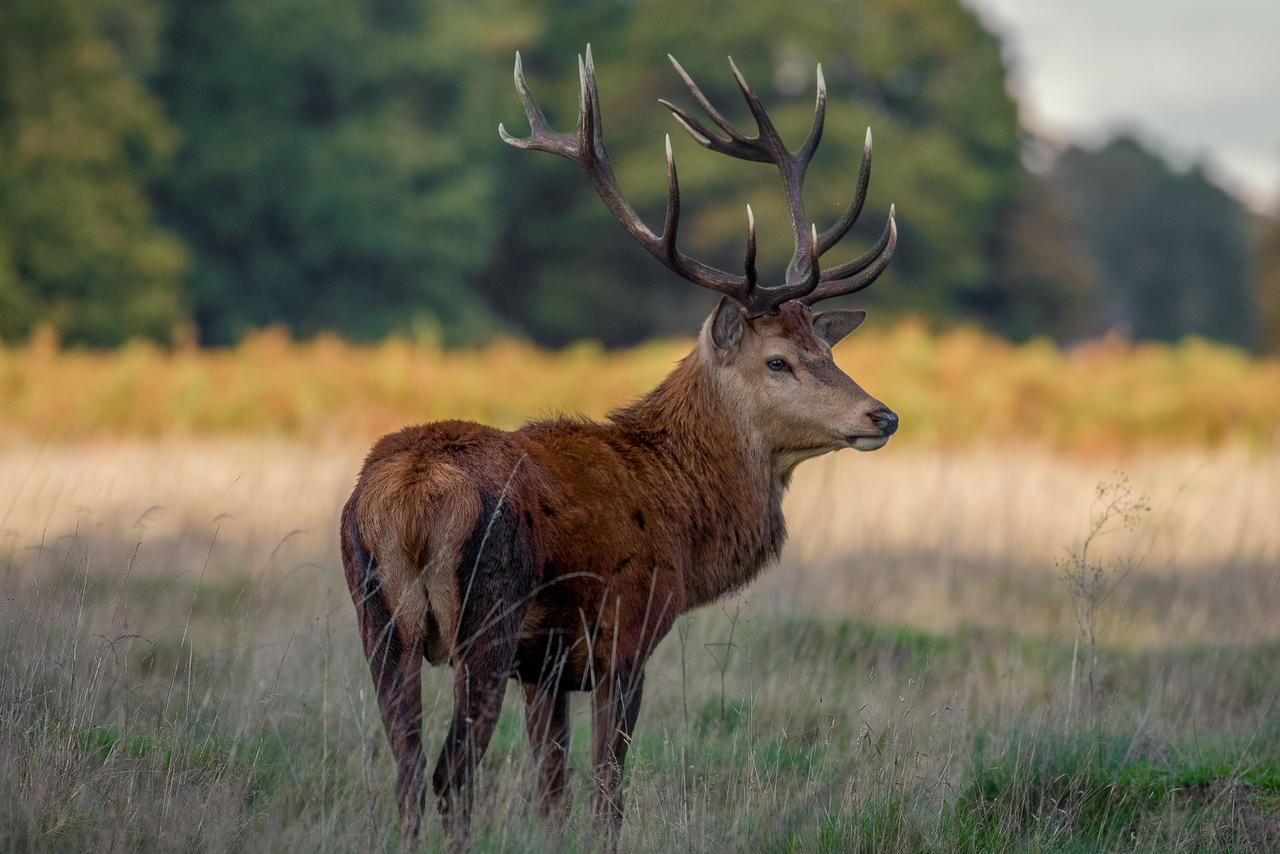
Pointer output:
x,y
1172,249
331,174
334,165
1043,281
79,136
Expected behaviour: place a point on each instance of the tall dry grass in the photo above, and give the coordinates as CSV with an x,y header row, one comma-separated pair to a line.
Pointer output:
x,y
931,538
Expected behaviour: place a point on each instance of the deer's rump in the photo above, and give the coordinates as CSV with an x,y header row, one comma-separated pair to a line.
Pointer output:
x,y
454,531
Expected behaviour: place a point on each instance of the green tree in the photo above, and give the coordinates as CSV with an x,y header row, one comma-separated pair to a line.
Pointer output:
x,y
1172,249
332,173
79,250
1042,280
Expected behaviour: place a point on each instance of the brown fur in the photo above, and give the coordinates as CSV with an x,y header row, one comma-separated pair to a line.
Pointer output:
x,y
562,552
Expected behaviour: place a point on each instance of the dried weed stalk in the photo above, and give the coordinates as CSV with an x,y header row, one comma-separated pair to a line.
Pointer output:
x,y
1090,581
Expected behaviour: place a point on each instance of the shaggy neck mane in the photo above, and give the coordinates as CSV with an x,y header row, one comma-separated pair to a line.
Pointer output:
x,y
720,481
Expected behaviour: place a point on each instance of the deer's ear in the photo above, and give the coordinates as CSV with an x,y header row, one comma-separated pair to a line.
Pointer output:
x,y
831,326
726,324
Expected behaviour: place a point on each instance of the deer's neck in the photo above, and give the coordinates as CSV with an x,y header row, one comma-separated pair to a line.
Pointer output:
x,y
724,489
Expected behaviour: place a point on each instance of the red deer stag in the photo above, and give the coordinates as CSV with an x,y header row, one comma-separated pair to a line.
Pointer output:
x,y
559,554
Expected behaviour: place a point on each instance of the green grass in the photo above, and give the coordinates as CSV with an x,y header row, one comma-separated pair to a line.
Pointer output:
x,y
152,713
1084,791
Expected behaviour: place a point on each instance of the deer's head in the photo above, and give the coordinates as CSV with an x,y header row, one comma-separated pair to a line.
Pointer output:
x,y
770,355
776,375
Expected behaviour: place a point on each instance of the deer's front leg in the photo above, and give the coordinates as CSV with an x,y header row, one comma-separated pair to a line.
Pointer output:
x,y
615,707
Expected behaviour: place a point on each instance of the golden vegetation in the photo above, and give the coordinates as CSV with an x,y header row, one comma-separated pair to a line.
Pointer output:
x,y
953,389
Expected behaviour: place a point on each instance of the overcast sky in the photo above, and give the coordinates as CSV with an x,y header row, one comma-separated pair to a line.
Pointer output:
x,y
1199,80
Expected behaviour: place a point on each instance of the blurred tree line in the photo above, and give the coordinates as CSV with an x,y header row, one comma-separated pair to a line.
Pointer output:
x,y
334,165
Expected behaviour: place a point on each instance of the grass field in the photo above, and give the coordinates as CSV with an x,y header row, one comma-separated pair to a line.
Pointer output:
x,y
180,668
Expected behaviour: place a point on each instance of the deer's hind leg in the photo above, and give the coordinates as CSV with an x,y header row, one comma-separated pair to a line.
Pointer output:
x,y
495,581
391,617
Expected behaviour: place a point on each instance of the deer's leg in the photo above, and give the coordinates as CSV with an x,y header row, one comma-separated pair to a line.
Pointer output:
x,y
397,672
495,577
394,649
547,722
478,687
615,705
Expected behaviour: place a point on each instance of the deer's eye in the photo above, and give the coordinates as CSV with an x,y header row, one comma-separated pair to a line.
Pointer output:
x,y
778,365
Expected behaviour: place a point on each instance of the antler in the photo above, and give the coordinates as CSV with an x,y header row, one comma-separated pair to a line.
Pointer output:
x,y
808,283
585,146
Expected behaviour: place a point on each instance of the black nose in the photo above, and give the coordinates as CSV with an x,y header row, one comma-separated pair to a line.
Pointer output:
x,y
886,421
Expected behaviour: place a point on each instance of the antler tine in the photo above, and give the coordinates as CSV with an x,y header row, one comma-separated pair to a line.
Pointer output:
x,y
593,100
724,124
819,118
586,148
543,138
814,272
854,276
672,222
536,119
586,143
749,263
832,235
737,145
768,134
857,265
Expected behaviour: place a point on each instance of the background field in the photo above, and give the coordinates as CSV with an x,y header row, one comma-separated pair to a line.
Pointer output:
x,y
181,670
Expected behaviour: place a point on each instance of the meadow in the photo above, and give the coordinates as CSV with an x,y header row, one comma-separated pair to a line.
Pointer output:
x,y
932,666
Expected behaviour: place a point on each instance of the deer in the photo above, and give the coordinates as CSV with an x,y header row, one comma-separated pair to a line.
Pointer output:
x,y
559,554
